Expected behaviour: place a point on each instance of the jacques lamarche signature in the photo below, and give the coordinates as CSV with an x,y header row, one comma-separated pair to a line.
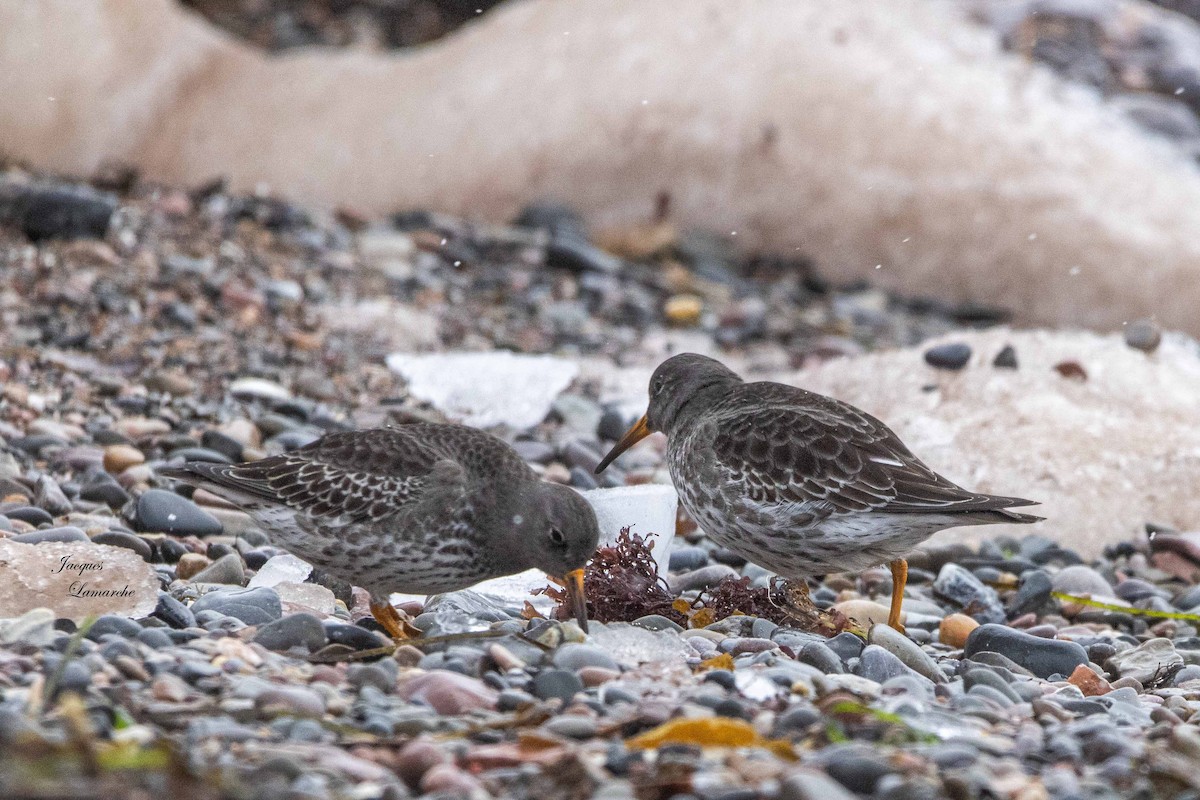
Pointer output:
x,y
79,588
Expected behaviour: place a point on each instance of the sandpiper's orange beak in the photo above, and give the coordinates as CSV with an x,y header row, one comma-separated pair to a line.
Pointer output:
x,y
634,435
573,580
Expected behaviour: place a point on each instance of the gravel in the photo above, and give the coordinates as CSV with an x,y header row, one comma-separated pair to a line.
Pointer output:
x,y
217,326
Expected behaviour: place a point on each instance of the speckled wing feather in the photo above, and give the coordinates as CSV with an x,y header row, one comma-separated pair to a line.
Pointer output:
x,y
815,453
362,475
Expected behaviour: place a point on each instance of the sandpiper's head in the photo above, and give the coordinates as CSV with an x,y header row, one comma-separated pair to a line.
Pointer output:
x,y
676,382
558,537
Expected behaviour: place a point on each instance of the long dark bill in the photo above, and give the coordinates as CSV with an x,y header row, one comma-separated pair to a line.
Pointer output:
x,y
634,435
573,581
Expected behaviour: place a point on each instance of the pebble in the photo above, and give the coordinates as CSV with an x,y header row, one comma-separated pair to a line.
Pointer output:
x,y
251,606
865,612
449,692
1042,657
295,700
1033,593
190,564
571,726
685,558
1088,682
30,514
226,569
879,665
657,622
808,784
952,356
1144,335
575,657
1006,358
558,683
961,587
120,457
126,540
173,612
1078,579
355,637
1152,660
702,578
158,510
67,533
301,631
112,624
906,650
955,628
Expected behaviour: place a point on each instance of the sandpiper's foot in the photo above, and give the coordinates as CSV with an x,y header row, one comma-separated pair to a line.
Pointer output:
x,y
899,569
397,626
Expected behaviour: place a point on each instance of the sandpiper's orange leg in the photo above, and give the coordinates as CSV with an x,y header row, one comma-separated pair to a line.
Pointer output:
x,y
899,569
396,626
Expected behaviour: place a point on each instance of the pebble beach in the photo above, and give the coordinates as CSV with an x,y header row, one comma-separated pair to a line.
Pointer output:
x,y
148,325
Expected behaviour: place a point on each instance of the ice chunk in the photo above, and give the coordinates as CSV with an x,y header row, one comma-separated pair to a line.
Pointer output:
x,y
481,602
754,686
648,510
486,389
75,580
35,627
309,595
283,568
632,645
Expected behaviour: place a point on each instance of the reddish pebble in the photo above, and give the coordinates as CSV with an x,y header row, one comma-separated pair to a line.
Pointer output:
x,y
416,758
450,780
596,676
449,692
1088,682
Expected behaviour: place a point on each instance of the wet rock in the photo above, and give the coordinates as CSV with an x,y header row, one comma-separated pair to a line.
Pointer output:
x,y
158,510
952,356
1042,657
909,653
558,683
1143,334
961,587
578,656
251,606
56,211
449,692
1153,660
127,540
301,631
68,533
226,569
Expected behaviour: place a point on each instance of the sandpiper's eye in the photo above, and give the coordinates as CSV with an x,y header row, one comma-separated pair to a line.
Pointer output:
x,y
658,385
556,536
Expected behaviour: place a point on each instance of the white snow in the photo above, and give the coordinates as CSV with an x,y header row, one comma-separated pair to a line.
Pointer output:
x,y
486,389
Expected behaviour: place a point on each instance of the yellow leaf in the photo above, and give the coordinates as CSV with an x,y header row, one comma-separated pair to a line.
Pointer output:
x,y
702,618
709,732
723,661
681,605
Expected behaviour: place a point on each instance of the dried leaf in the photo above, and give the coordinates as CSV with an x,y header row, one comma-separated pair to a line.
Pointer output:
x,y
708,732
723,661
